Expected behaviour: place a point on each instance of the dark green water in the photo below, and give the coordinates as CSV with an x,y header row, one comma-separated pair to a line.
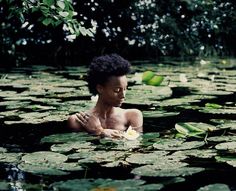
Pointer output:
x,y
36,101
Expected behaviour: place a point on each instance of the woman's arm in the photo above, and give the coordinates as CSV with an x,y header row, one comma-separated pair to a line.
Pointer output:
x,y
135,119
90,123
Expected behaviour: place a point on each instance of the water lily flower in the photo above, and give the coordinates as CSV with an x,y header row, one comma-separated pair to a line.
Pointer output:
x,y
131,134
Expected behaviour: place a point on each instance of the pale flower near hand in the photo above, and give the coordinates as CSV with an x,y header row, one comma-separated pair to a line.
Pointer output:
x,y
131,134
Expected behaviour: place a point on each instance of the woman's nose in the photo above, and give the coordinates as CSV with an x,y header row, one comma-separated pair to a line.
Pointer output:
x,y
122,94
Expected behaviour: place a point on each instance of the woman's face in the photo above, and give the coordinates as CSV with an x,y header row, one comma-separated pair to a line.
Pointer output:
x,y
113,91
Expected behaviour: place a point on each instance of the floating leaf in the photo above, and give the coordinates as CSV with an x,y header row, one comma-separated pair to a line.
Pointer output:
x,y
44,157
213,105
4,186
3,150
146,158
66,147
41,169
68,137
218,139
148,75
10,157
215,187
97,184
174,145
149,170
228,146
102,157
196,153
155,80
158,114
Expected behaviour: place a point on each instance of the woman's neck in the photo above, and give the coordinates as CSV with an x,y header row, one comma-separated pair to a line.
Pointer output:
x,y
102,109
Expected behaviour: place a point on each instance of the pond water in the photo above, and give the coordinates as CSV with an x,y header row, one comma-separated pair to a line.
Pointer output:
x,y
189,139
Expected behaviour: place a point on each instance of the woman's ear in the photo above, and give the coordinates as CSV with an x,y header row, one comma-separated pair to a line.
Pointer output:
x,y
99,88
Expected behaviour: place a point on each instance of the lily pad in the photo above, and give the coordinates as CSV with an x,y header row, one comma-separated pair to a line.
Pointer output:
x,y
215,187
158,114
41,169
66,147
228,146
174,144
102,157
197,153
4,186
218,139
227,111
68,137
3,150
10,157
97,184
149,170
44,157
146,158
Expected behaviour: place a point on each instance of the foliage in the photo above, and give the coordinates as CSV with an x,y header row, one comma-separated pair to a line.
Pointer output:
x,y
172,28
31,22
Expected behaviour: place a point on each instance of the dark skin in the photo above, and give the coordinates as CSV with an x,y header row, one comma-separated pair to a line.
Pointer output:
x,y
107,118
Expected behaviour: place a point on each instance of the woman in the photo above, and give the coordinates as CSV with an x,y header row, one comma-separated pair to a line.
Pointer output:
x,y
107,79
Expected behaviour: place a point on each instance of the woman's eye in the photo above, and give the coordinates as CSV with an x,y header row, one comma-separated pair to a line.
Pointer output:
x,y
117,90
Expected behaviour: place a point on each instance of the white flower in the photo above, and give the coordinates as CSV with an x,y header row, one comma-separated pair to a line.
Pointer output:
x,y
131,134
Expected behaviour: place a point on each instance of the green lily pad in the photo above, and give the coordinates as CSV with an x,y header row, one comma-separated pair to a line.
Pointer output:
x,y
213,105
197,153
218,139
116,164
177,102
81,154
41,169
215,187
174,145
4,186
155,80
3,150
33,115
158,114
97,184
225,158
148,75
102,157
228,146
66,147
68,137
149,170
146,158
226,111
10,157
44,157
231,126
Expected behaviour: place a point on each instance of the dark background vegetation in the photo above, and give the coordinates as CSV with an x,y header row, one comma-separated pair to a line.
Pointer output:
x,y
37,32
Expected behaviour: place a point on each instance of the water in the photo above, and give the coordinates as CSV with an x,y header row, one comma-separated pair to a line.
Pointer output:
x,y
29,93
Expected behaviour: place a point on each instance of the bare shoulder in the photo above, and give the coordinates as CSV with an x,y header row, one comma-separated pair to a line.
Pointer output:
x,y
134,118
133,112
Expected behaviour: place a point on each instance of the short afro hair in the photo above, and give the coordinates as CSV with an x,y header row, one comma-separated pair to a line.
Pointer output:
x,y
103,67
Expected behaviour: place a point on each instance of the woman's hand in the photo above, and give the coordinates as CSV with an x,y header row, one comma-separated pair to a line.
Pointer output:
x,y
90,122
112,133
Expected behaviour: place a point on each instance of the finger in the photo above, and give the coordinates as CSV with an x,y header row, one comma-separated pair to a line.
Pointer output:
x,y
80,122
81,117
116,134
